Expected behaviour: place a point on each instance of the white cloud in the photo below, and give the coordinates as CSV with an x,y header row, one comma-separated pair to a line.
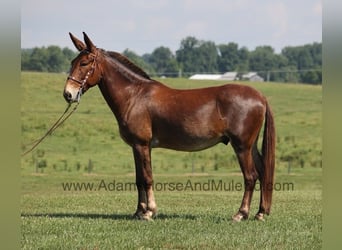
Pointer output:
x,y
146,5
277,13
214,5
144,25
123,25
196,28
317,9
155,25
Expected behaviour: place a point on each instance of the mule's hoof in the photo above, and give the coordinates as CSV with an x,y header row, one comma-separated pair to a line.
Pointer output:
x,y
238,217
148,215
259,217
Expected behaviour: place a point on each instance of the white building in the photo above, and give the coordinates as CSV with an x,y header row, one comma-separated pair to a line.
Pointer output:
x,y
228,76
252,77
205,77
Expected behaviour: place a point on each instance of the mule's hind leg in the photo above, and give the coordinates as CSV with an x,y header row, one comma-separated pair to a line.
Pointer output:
x,y
250,176
260,168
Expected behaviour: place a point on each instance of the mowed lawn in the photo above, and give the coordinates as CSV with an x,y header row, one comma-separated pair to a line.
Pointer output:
x,y
77,192
53,218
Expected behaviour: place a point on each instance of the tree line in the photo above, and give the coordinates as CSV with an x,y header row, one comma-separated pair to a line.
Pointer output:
x,y
292,64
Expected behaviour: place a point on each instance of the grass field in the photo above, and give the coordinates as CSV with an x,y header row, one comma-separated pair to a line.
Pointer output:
x,y
88,150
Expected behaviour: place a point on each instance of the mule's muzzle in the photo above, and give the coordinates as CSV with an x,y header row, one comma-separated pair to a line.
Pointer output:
x,y
67,96
72,94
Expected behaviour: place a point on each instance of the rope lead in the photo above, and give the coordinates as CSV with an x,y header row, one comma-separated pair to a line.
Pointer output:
x,y
58,123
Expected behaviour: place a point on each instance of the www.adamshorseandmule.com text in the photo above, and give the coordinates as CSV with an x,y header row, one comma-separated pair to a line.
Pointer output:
x,y
185,186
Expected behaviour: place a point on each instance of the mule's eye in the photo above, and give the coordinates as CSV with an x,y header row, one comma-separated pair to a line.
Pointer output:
x,y
84,63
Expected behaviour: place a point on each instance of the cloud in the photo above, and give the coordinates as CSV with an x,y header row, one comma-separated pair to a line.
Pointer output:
x,y
144,25
146,5
278,16
317,8
203,6
197,28
124,25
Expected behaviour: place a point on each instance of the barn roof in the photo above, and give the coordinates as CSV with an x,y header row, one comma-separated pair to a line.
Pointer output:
x,y
205,77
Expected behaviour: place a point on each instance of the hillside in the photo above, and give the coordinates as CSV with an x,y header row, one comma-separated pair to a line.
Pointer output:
x,y
89,140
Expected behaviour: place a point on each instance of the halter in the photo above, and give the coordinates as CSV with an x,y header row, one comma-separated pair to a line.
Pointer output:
x,y
84,81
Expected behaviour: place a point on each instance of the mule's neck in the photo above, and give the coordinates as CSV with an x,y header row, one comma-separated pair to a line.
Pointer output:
x,y
120,90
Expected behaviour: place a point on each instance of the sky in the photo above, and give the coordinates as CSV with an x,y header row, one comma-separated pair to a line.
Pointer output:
x,y
144,25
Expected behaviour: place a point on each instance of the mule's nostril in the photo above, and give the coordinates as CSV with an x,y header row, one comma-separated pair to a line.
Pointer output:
x,y
67,96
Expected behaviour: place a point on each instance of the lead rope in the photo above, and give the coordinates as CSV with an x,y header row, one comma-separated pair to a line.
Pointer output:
x,y
63,117
58,123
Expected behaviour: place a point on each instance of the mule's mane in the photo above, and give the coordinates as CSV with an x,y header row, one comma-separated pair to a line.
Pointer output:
x,y
128,68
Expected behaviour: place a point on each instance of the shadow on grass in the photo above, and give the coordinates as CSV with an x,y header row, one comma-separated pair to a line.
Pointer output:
x,y
107,216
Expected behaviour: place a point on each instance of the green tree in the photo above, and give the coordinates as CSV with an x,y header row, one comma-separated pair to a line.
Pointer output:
x,y
243,64
163,62
55,59
197,56
186,55
263,60
307,59
25,58
293,64
138,60
51,59
38,61
207,57
229,57
69,56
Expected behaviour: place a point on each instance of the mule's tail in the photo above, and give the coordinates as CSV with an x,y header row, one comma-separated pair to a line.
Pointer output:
x,y
268,156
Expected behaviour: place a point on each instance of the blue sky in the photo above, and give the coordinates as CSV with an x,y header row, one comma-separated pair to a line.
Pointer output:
x,y
143,25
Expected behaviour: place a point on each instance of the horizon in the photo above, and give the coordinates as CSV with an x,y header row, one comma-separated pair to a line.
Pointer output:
x,y
276,52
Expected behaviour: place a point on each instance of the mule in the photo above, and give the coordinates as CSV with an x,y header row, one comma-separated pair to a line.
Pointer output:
x,y
150,115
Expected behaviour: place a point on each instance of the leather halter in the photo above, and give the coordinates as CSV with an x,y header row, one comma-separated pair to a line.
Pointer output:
x,y
83,82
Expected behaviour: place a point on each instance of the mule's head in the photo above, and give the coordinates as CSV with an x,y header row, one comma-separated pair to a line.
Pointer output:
x,y
85,72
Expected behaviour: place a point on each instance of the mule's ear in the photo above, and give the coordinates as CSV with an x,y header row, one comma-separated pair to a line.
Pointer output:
x,y
90,46
78,44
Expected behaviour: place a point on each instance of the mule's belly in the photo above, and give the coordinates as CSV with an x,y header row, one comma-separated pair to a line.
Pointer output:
x,y
186,143
189,130
189,147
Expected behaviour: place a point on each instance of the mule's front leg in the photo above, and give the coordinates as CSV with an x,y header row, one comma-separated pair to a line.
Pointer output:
x,y
147,207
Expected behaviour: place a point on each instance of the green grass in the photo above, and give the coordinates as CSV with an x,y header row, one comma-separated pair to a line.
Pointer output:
x,y
56,219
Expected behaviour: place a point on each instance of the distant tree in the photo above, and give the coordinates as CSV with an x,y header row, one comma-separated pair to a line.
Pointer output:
x,y
55,59
316,53
263,60
292,55
307,59
229,57
186,54
138,60
293,64
243,65
207,57
38,60
197,56
312,76
281,65
163,62
69,56
25,58
286,74
51,59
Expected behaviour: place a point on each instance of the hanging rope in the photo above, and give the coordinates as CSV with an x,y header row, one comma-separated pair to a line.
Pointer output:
x,y
58,123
